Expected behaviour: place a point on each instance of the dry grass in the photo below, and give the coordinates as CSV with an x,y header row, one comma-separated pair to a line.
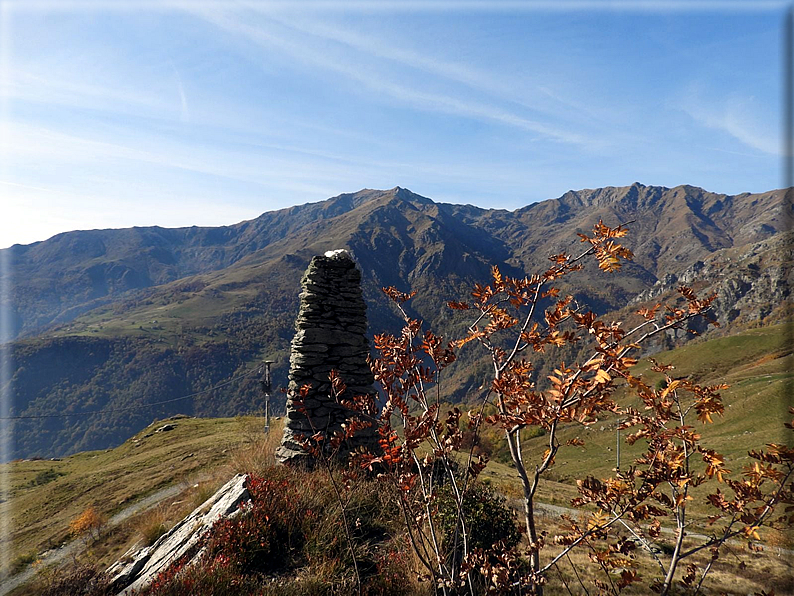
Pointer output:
x,y
771,568
258,449
207,452
155,522
196,456
765,570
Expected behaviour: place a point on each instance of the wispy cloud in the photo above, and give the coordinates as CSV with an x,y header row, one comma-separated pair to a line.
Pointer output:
x,y
381,48
263,164
374,80
50,88
738,116
35,144
184,112
535,95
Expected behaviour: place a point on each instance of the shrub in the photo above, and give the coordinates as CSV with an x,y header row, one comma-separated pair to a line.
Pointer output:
x,y
89,523
45,476
391,575
489,521
216,578
271,530
289,540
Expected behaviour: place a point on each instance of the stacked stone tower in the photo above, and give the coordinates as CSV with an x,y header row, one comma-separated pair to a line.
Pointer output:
x,y
329,336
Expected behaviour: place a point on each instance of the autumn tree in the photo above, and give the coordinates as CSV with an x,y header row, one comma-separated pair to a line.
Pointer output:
x,y
511,320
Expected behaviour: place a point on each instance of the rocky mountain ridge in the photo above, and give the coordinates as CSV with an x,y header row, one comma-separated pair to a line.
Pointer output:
x,y
56,280
752,282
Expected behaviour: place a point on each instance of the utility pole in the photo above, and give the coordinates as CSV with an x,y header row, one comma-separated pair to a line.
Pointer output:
x,y
617,445
266,388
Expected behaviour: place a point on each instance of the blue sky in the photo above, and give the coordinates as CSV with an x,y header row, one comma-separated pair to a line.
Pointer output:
x,y
114,114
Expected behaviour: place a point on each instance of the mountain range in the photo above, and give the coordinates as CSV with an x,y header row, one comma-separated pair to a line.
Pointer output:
x,y
115,319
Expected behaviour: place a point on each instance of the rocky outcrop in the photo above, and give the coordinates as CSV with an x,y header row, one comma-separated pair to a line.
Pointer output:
x,y
329,336
752,282
138,568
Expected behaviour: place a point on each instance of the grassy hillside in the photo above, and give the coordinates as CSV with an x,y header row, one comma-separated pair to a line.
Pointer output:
x,y
46,495
758,365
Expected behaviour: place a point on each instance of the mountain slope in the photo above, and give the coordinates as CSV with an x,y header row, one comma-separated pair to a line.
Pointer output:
x,y
122,318
58,279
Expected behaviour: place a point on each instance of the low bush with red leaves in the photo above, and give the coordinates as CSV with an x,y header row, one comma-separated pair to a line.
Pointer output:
x,y
288,540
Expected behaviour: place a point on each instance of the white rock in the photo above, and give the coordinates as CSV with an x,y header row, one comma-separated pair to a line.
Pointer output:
x,y
137,570
339,253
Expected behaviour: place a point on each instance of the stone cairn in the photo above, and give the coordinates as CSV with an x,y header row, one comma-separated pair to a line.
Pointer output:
x,y
329,336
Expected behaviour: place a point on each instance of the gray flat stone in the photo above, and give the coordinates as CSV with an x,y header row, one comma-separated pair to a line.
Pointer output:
x,y
141,568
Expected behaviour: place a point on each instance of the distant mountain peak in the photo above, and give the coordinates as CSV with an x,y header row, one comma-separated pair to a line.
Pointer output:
x,y
634,195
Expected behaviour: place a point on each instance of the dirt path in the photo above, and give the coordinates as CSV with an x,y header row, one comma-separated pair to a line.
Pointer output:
x,y
75,547
556,511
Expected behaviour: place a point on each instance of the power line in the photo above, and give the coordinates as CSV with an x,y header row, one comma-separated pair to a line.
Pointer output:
x,y
125,409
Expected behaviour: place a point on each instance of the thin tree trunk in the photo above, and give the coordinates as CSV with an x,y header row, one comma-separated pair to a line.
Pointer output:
x,y
529,510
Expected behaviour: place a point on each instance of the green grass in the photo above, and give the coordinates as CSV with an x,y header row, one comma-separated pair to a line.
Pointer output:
x,y
175,310
757,364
